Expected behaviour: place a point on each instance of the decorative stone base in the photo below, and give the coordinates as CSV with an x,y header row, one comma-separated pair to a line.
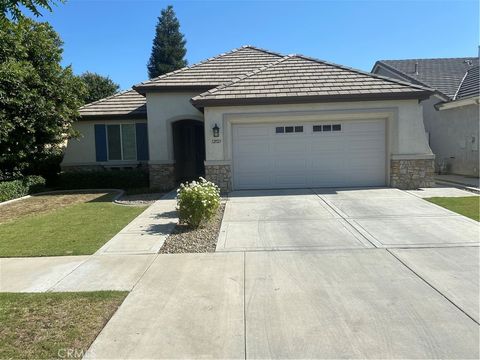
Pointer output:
x,y
162,176
221,175
412,173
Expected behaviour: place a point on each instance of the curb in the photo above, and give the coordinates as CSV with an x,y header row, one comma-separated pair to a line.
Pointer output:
x,y
459,186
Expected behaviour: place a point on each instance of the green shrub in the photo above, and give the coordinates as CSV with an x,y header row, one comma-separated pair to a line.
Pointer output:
x,y
108,179
197,202
17,188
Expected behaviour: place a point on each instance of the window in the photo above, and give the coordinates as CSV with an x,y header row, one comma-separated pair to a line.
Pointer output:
x,y
121,143
327,128
288,129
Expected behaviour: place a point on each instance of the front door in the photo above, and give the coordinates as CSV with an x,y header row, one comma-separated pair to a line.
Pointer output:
x,y
189,149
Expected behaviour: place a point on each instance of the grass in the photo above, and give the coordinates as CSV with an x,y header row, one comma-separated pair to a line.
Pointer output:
x,y
53,325
78,229
468,206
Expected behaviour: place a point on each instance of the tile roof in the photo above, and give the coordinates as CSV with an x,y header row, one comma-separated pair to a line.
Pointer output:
x,y
470,85
212,72
444,75
297,78
128,104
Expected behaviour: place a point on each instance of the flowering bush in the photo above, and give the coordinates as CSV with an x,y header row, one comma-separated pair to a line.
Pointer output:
x,y
197,202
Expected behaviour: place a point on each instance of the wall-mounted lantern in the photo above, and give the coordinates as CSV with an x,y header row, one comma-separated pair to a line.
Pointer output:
x,y
216,131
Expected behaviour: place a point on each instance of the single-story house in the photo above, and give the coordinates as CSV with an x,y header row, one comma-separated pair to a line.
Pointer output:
x,y
255,119
451,114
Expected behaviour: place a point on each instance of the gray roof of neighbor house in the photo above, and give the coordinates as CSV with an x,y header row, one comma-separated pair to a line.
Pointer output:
x,y
128,105
444,75
470,85
211,72
296,78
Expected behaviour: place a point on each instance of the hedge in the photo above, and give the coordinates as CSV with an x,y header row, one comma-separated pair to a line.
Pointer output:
x,y
108,179
17,188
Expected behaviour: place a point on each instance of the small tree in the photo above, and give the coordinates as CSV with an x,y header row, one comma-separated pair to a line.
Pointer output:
x,y
39,99
168,50
98,87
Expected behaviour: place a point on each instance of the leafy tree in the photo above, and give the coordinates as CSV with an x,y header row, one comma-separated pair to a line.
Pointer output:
x,y
168,50
38,97
12,7
98,87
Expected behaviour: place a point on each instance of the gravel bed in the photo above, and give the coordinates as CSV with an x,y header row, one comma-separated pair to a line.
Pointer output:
x,y
185,239
140,199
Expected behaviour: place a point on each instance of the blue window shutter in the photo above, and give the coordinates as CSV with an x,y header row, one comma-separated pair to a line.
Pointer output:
x,y
100,142
142,141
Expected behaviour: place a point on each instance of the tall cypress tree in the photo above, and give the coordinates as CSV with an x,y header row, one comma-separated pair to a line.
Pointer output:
x,y
168,50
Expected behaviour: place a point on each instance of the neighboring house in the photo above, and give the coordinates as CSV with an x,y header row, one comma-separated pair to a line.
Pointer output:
x,y
255,119
451,115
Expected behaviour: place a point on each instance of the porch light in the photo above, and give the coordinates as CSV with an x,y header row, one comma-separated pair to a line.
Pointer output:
x,y
216,131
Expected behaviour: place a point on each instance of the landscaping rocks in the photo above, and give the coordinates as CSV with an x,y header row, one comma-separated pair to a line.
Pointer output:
x,y
185,239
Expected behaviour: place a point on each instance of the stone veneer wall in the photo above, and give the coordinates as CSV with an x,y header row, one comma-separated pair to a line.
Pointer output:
x,y
411,174
221,175
162,176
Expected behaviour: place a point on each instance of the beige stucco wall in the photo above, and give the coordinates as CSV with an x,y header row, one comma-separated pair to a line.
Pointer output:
x,y
405,133
81,151
453,134
163,109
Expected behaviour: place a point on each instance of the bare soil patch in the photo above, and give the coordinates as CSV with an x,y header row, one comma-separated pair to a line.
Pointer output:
x,y
40,204
185,239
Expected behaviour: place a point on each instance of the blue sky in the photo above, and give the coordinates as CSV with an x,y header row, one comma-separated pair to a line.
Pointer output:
x,y
114,37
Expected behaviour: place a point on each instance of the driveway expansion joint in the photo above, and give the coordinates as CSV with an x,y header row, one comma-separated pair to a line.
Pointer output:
x,y
433,287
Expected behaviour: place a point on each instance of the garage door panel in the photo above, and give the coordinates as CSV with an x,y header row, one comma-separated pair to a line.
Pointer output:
x,y
354,156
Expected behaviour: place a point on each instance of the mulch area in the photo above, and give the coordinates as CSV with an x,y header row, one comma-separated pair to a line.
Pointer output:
x,y
185,239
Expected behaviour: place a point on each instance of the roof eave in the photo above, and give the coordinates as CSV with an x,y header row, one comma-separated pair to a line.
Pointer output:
x,y
129,116
201,103
143,90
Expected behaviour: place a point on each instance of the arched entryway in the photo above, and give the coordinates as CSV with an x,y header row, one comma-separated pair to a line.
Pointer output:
x,y
188,149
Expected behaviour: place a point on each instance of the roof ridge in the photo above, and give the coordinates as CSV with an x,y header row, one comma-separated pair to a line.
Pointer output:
x,y
163,76
106,98
440,58
343,67
243,76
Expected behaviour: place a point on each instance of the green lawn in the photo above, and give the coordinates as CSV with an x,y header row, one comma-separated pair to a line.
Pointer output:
x,y
78,229
468,206
53,325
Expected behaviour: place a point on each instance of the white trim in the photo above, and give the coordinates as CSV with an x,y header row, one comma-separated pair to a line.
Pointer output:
x,y
413,156
458,103
217,162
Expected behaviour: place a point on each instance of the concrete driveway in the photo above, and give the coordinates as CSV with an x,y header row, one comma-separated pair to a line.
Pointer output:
x,y
375,273
339,219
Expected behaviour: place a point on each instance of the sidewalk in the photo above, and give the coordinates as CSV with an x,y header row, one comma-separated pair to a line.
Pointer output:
x,y
470,183
117,265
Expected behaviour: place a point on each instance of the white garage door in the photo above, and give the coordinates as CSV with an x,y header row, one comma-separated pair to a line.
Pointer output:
x,y
322,154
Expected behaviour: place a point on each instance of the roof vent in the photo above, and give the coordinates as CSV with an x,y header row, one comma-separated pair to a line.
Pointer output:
x,y
416,68
468,62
